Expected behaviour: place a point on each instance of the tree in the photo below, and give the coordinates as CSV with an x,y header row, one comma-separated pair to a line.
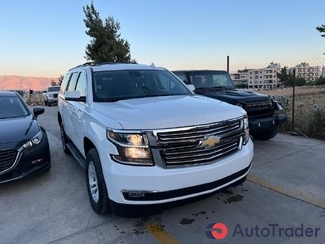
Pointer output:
x,y
60,79
321,29
106,44
300,81
57,83
320,81
285,78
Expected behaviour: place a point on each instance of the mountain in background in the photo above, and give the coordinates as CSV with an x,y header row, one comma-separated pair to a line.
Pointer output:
x,y
15,82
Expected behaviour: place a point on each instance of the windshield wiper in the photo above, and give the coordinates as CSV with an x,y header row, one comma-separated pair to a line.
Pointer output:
x,y
149,91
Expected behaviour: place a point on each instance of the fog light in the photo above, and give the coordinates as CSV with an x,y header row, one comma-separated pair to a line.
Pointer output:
x,y
259,125
37,161
273,122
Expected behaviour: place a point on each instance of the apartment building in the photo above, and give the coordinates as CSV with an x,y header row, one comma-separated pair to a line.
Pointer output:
x,y
309,73
265,78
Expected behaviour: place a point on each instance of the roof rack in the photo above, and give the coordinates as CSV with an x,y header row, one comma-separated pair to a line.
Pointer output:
x,y
96,63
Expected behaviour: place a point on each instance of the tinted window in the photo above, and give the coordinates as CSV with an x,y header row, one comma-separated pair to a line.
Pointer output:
x,y
182,76
72,82
211,79
81,84
12,107
125,84
64,83
54,89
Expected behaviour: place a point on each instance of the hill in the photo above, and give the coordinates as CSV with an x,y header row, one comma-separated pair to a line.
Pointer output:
x,y
15,82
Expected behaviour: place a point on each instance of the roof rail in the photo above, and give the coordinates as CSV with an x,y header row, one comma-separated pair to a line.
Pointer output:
x,y
97,63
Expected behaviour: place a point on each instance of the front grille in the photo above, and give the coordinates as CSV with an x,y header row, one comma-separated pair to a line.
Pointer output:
x,y
55,95
258,109
7,159
192,146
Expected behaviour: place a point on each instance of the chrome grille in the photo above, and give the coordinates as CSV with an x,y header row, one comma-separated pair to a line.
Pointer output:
x,y
184,146
7,159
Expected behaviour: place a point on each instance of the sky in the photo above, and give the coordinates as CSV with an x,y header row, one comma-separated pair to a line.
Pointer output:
x,y
45,38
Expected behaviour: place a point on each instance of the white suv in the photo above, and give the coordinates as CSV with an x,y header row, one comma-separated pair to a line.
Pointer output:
x,y
146,140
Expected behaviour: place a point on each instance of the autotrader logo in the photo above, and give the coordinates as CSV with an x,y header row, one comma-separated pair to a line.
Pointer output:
x,y
216,231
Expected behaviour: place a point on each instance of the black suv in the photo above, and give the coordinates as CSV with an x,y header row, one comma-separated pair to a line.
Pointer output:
x,y
263,121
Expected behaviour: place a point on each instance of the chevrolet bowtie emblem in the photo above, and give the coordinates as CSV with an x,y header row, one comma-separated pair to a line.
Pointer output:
x,y
210,141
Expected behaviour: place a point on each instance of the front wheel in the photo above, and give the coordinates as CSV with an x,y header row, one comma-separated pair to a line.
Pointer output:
x,y
96,186
266,135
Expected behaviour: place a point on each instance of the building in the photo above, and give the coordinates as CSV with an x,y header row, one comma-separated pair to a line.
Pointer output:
x,y
265,78
309,73
323,72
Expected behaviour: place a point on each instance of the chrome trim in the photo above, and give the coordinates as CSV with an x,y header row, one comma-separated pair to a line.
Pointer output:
x,y
18,156
133,191
180,147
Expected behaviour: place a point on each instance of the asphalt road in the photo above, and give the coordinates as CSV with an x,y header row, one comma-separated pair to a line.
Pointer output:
x,y
282,202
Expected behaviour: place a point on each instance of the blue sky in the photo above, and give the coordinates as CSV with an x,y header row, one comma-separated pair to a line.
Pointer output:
x,y
46,38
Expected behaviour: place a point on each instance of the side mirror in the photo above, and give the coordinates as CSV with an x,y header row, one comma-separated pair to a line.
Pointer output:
x,y
74,96
191,87
38,111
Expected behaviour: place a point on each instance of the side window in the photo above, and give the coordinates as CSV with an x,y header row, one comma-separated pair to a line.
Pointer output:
x,y
72,82
64,83
182,76
82,84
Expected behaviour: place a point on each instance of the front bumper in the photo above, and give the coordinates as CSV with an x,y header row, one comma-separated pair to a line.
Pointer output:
x,y
132,189
30,161
264,124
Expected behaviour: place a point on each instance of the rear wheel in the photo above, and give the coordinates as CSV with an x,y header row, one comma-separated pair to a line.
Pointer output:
x,y
64,140
266,135
96,186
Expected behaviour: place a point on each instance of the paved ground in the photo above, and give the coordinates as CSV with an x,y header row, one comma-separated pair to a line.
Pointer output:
x,y
286,189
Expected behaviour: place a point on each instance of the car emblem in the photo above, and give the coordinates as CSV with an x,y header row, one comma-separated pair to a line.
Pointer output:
x,y
210,141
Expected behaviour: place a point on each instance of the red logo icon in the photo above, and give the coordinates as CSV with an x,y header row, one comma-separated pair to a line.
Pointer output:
x,y
216,231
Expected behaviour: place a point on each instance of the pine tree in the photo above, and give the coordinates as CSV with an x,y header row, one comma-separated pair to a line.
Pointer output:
x,y
106,44
321,29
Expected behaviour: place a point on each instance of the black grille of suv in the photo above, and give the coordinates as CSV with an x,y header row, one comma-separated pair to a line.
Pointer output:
x,y
7,159
258,109
55,95
201,144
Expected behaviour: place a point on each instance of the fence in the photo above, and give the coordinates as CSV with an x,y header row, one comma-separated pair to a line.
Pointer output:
x,y
299,86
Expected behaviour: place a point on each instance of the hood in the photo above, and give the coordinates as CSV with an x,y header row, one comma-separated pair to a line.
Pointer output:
x,y
168,111
234,95
17,131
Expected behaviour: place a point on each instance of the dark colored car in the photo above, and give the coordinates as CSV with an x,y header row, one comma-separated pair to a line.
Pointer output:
x,y
264,119
24,146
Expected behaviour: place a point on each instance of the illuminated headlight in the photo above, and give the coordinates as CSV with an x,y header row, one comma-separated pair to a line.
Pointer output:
x,y
34,141
133,147
246,130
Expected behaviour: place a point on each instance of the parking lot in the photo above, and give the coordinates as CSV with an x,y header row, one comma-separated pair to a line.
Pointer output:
x,y
283,201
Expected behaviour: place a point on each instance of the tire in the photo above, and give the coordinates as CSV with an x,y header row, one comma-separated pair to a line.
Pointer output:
x,y
48,104
45,102
266,135
96,186
64,140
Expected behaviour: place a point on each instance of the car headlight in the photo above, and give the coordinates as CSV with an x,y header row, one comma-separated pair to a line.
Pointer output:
x,y
50,95
34,141
246,130
133,147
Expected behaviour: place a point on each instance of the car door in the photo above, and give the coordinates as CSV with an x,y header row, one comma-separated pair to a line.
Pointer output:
x,y
77,112
68,106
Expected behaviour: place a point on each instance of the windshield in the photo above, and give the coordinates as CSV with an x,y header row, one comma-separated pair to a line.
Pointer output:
x,y
211,79
12,107
54,89
126,84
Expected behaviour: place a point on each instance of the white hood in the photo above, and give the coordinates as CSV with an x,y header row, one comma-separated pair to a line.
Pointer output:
x,y
168,111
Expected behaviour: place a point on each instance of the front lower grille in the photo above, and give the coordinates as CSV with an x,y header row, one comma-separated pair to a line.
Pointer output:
x,y
200,144
7,159
258,109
